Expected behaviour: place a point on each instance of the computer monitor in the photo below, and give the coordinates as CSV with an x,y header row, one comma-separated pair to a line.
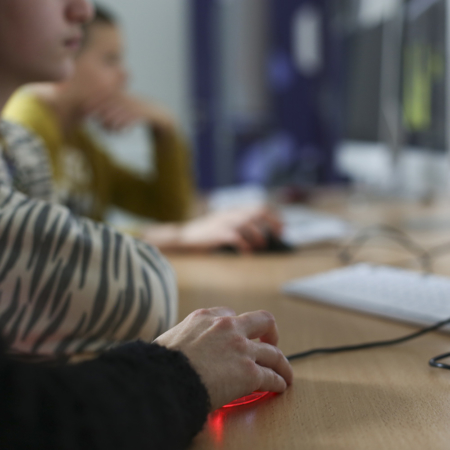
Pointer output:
x,y
398,102
424,80
422,70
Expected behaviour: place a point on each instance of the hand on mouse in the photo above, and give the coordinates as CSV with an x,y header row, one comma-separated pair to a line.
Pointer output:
x,y
220,348
245,229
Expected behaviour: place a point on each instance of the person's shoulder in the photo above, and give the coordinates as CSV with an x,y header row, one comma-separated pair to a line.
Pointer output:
x,y
15,134
22,144
24,162
22,103
25,109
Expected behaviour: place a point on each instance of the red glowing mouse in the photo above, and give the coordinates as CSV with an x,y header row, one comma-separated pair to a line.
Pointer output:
x,y
247,399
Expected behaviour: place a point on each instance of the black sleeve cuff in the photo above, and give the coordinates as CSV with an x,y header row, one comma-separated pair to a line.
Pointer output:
x,y
186,399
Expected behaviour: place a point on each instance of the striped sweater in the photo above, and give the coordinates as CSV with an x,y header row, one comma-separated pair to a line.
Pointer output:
x,y
68,284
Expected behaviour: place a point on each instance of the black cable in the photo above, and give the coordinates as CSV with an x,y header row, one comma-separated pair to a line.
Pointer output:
x,y
434,362
389,232
425,256
349,348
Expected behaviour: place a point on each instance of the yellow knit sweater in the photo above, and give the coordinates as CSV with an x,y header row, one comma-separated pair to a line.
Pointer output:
x,y
98,181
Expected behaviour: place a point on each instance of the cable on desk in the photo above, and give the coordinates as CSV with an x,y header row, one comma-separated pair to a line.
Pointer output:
x,y
426,256
434,362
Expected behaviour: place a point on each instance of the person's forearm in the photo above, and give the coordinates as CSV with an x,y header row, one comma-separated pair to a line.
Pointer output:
x,y
175,177
167,193
69,285
138,396
167,237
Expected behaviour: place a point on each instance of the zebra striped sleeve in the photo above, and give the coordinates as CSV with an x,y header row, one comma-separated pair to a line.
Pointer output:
x,y
69,285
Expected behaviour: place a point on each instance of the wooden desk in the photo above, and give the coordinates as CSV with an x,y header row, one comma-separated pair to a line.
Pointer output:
x,y
378,399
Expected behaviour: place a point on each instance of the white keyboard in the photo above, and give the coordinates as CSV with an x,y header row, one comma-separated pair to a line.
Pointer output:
x,y
303,226
384,291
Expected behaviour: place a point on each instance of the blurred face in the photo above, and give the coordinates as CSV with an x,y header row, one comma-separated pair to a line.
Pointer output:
x,y
38,38
100,71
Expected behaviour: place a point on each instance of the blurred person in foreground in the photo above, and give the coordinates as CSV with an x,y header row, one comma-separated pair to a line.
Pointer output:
x,y
135,396
89,182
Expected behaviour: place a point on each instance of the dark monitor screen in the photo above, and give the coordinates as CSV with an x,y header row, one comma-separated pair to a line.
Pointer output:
x,y
363,50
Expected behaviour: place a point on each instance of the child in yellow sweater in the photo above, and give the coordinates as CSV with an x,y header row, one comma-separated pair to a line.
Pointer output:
x,y
88,181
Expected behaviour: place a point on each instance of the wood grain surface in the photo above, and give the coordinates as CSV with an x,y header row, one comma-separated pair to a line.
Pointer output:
x,y
378,399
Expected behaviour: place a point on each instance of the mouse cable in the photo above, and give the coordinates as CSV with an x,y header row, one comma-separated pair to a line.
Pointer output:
x,y
434,362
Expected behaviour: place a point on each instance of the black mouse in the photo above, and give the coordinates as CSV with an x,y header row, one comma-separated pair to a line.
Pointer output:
x,y
274,244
